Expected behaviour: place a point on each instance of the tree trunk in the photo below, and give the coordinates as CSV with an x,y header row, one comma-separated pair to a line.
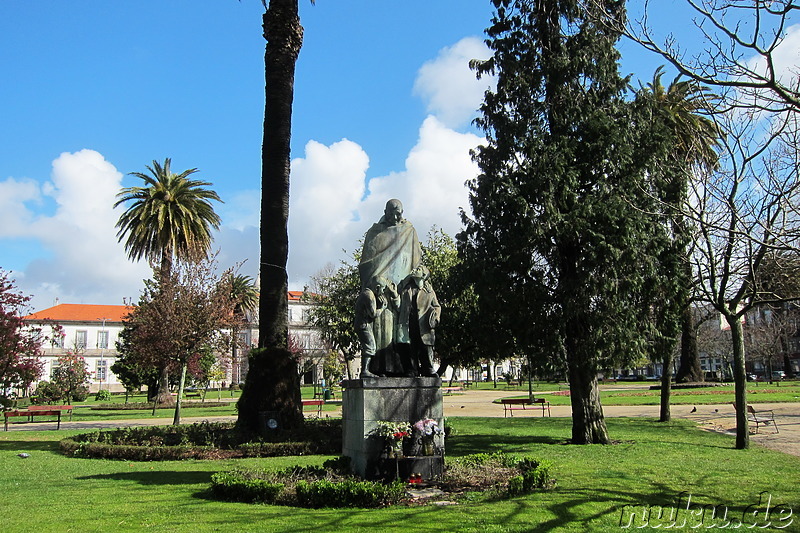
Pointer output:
x,y
271,383
689,369
163,397
176,420
588,422
740,384
666,386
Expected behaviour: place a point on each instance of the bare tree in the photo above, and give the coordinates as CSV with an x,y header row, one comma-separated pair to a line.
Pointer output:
x,y
743,212
745,48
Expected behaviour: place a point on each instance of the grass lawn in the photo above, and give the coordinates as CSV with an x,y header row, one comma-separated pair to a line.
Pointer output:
x,y
630,395
651,465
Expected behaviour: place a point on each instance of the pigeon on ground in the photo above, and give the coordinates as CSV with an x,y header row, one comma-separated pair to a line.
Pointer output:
x,y
24,455
694,409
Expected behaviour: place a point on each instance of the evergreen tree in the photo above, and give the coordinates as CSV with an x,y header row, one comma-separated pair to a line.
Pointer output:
x,y
559,231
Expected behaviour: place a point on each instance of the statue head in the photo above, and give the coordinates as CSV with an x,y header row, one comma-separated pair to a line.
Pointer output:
x,y
393,213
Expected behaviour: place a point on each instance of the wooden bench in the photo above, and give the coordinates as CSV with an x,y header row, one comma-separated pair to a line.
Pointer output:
x,y
66,409
451,390
515,404
317,403
31,413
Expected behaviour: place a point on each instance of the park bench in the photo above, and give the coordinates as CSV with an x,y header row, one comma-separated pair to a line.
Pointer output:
x,y
760,418
451,390
31,413
66,409
316,403
515,404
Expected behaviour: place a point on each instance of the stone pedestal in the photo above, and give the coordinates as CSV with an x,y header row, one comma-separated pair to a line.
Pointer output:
x,y
369,400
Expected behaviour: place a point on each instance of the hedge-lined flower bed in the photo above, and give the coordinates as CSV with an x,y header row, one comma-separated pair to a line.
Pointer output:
x,y
493,475
314,487
203,441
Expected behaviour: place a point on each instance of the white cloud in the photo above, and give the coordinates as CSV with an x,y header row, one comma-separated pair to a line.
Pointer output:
x,y
327,186
785,58
432,185
15,218
329,212
333,202
450,88
86,264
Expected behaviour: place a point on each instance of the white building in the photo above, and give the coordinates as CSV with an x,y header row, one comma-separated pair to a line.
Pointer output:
x,y
92,332
88,330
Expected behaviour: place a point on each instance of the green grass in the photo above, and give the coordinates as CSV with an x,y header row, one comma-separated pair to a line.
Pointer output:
x,y
633,395
651,465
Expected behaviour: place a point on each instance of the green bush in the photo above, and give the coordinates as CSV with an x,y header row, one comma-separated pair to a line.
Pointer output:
x,y
534,475
237,486
203,440
348,493
103,395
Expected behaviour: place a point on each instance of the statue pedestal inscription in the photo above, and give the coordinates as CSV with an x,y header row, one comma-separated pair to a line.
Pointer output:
x,y
367,401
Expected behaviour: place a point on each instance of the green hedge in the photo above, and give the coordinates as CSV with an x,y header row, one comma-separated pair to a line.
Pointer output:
x,y
348,493
202,441
234,486
313,487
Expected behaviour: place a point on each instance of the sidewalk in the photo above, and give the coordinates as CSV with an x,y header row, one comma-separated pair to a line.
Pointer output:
x,y
478,403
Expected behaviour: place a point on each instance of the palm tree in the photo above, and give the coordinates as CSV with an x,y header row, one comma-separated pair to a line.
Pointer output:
x,y
171,217
682,110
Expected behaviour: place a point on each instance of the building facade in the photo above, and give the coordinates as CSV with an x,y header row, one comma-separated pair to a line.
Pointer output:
x,y
92,331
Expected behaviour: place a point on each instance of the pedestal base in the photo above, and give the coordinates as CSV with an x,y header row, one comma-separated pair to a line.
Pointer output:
x,y
369,400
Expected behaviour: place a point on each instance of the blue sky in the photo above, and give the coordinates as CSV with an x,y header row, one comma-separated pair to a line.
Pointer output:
x,y
94,90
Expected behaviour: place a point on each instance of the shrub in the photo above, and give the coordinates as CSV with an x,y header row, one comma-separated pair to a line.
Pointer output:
x,y
239,486
500,474
103,395
534,475
203,440
47,392
348,493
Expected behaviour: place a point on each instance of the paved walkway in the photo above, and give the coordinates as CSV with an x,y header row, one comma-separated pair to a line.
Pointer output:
x,y
479,403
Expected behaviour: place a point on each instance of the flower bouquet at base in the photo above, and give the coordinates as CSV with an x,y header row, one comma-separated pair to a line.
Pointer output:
x,y
427,429
393,434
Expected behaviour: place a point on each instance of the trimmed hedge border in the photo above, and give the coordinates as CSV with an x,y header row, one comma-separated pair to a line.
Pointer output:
x,y
204,440
147,406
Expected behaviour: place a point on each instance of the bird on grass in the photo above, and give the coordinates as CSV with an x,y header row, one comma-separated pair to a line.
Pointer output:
x,y
694,409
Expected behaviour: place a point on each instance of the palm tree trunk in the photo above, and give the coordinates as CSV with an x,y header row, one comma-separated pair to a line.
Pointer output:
x,y
284,36
271,383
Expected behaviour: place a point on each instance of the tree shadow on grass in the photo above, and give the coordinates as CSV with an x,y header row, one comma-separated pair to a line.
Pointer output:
x,y
157,477
470,444
28,445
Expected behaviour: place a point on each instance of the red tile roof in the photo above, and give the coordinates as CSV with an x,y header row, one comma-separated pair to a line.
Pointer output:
x,y
82,313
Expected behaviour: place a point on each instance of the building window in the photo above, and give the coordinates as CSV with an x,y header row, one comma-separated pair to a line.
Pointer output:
x,y
100,370
244,339
80,339
58,341
102,339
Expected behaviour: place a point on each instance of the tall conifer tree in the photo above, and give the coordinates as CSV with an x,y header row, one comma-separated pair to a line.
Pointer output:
x,y
554,227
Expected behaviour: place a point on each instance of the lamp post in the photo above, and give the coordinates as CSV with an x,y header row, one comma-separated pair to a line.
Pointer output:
x,y
101,367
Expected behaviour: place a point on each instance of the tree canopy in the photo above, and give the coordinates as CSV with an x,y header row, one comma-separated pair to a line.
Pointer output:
x,y
559,231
